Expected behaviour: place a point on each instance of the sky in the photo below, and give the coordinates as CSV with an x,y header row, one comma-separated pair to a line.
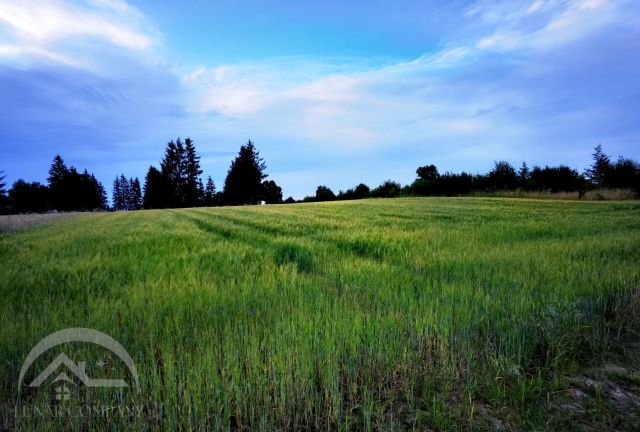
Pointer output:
x,y
331,92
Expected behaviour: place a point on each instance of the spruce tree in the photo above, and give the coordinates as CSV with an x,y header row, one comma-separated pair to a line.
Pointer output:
x,y
3,191
524,175
190,169
209,192
57,171
243,184
117,195
157,190
4,200
171,166
135,197
600,171
125,192
100,194
57,174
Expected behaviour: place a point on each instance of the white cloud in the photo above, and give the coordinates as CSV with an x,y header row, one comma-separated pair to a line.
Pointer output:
x,y
543,25
425,100
71,33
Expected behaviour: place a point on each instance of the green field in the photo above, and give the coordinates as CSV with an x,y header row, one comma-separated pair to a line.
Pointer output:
x,y
391,314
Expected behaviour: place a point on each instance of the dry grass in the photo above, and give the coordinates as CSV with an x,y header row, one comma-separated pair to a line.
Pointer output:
x,y
594,195
24,221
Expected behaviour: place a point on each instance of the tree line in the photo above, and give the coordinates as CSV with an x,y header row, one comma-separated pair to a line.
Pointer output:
x,y
178,183
604,173
67,190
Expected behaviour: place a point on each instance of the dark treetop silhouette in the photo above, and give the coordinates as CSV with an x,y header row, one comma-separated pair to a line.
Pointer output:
x,y
178,183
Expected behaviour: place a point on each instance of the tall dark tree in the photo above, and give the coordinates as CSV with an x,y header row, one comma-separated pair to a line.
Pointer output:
x,y
157,190
100,194
209,192
600,169
200,192
4,200
3,191
524,175
58,173
190,169
172,169
135,194
243,184
126,192
117,197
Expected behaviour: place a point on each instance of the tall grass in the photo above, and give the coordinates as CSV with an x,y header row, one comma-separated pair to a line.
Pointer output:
x,y
374,314
592,195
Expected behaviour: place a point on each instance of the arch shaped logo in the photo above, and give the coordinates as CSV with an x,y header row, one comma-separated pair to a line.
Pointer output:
x,y
62,368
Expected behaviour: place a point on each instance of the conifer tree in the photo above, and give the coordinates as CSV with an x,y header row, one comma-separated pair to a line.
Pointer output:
x,y
3,191
209,192
171,167
135,195
117,195
58,172
190,169
243,184
125,192
157,190
601,168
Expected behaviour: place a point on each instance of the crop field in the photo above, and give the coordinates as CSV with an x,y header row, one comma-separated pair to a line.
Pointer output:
x,y
396,314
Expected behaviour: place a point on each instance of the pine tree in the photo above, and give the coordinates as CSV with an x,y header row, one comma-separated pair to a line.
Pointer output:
x,y
190,169
4,201
599,172
135,196
200,200
117,195
171,166
100,194
209,192
3,191
243,184
57,175
157,190
523,176
125,192
57,171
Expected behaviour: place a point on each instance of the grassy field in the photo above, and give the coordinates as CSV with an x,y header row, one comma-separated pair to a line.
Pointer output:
x,y
448,313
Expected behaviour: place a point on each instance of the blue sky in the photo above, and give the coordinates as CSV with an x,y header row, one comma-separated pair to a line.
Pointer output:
x,y
331,92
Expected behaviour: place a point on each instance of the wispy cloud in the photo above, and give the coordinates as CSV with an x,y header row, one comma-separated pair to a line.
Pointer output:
x,y
63,32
